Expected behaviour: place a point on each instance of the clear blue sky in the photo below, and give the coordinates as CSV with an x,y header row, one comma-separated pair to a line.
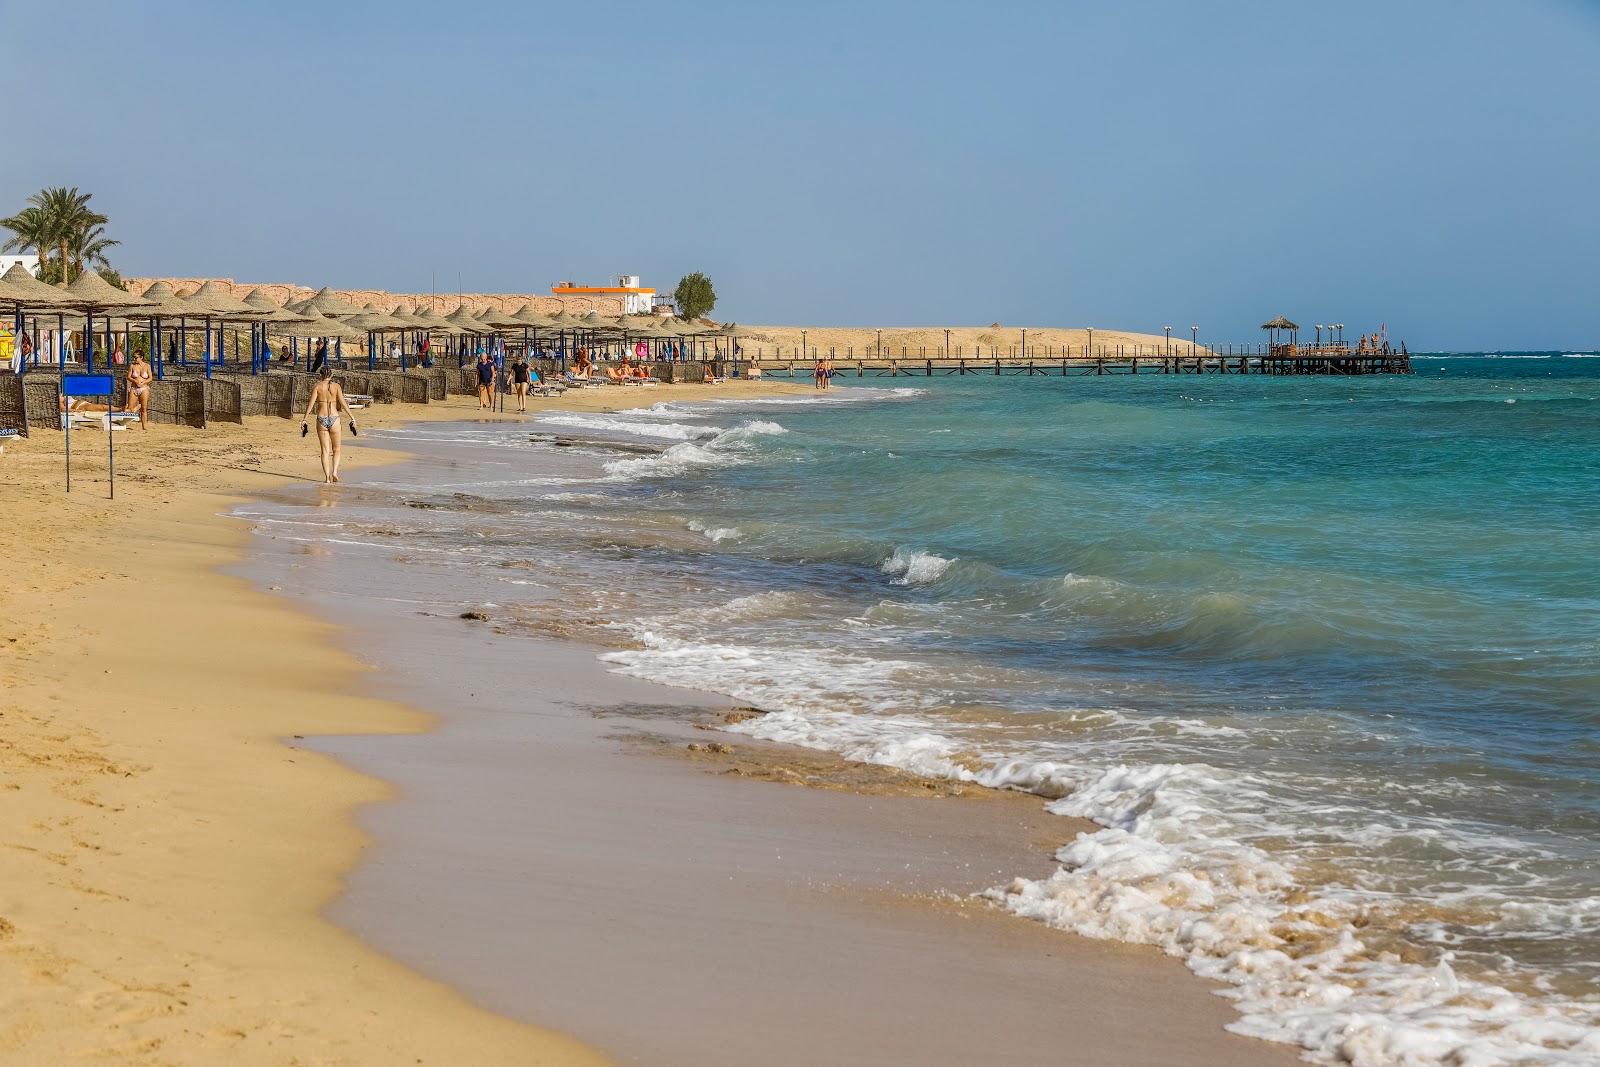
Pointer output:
x,y
1432,164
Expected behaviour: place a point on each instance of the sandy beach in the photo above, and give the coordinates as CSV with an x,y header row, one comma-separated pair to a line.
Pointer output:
x,y
183,871
166,858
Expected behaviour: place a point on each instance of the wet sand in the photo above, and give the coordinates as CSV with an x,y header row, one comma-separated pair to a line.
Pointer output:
x,y
164,858
543,857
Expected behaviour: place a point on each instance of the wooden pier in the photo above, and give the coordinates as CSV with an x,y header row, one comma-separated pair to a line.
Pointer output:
x,y
1276,359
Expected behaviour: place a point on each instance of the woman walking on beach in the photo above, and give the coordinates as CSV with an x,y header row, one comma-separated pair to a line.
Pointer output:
x,y
819,374
485,381
327,400
519,381
139,388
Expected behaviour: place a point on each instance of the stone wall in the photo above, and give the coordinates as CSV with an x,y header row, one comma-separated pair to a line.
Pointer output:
x,y
443,303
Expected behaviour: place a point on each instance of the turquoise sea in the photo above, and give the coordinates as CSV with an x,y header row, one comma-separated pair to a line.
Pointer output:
x,y
1319,655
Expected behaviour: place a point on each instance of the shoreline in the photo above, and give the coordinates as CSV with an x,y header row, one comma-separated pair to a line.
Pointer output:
x,y
169,857
218,936
557,823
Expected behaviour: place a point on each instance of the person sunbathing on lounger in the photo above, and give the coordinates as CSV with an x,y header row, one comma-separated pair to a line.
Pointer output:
x,y
76,404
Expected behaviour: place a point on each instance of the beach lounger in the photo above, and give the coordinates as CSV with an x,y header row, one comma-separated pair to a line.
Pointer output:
x,y
358,400
6,435
105,420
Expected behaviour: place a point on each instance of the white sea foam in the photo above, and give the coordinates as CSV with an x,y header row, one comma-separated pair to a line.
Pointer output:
x,y
715,533
723,448
1174,864
915,568
641,427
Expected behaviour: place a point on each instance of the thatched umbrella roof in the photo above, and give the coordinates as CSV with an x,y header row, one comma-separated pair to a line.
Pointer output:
x,y
212,301
19,286
160,302
566,320
94,293
430,319
268,309
462,319
595,321
499,320
1279,323
317,326
526,316
325,302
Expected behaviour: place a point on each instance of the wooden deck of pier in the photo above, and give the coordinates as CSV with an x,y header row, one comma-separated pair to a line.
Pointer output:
x,y
1279,360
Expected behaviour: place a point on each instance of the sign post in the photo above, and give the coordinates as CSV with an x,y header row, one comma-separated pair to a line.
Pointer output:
x,y
89,385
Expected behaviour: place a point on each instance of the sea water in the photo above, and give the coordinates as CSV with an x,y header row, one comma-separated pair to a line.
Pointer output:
x,y
1319,656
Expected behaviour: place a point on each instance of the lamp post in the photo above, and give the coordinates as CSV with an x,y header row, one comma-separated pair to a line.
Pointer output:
x,y
1089,351
1340,327
947,344
1194,339
1024,342
880,345
1319,335
803,345
1168,330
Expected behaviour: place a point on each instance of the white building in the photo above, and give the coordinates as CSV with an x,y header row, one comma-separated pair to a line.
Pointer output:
x,y
30,262
635,300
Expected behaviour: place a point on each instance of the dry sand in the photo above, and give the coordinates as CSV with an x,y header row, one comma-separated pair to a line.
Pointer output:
x,y
165,857
971,342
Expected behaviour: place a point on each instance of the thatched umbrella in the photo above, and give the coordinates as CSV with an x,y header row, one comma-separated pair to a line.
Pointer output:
x,y
19,286
496,319
1278,326
316,326
93,293
326,302
163,305
22,290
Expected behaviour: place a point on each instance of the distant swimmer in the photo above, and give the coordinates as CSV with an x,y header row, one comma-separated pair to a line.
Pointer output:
x,y
327,400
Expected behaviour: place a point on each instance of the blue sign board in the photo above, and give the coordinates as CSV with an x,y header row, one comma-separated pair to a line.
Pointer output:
x,y
86,385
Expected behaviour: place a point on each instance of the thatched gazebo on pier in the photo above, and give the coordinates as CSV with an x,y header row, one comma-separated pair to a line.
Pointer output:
x,y
1277,328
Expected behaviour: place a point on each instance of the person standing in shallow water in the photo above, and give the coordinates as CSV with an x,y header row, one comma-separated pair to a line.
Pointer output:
x,y
327,400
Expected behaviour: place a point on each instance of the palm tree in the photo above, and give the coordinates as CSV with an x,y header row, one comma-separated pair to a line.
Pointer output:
x,y
30,232
60,220
88,248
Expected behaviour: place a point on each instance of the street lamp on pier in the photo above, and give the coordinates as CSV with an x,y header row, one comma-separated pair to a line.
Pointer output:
x,y
947,344
1194,339
1319,334
1168,330
880,344
1340,328
1089,352
803,350
1024,342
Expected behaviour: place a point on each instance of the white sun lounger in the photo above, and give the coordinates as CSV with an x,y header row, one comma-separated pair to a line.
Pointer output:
x,y
105,420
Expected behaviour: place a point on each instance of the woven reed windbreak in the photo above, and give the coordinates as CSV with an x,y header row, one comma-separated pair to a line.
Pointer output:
x,y
13,404
178,401
42,397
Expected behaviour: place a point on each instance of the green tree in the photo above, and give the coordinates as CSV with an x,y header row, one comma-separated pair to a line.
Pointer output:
x,y
60,220
30,232
88,249
694,296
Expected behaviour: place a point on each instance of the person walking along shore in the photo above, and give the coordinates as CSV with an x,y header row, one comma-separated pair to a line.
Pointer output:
x,y
327,400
